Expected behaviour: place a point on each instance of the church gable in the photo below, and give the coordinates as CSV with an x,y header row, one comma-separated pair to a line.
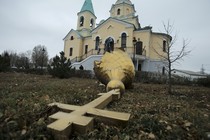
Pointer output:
x,y
72,35
112,24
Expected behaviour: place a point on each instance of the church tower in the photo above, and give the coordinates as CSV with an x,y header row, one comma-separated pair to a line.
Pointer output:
x,y
86,18
125,10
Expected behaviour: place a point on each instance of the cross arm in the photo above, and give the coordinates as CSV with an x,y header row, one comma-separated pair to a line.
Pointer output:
x,y
111,117
65,107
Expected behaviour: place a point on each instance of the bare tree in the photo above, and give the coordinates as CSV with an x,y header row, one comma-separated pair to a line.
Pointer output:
x,y
39,56
13,59
23,61
171,55
202,69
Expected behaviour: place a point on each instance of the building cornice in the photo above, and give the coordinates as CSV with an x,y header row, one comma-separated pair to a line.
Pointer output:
x,y
163,34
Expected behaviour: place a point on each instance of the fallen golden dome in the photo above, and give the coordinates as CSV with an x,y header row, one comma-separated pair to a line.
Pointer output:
x,y
115,70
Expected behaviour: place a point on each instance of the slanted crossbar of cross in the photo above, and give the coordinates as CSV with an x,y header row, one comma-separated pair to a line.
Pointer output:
x,y
80,118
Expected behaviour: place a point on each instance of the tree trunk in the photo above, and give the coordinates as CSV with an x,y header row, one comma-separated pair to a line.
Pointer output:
x,y
169,79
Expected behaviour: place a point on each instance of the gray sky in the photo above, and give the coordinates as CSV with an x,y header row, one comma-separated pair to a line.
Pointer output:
x,y
27,23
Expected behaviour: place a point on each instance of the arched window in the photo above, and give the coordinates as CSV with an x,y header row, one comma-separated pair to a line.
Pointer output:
x,y
118,11
70,51
127,11
91,22
97,43
123,40
86,49
164,46
81,21
163,71
72,37
139,47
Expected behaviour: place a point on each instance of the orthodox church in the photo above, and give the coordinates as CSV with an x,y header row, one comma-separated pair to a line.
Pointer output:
x,y
121,30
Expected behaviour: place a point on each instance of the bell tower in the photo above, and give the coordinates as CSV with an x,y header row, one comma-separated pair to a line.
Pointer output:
x,y
125,10
122,9
86,17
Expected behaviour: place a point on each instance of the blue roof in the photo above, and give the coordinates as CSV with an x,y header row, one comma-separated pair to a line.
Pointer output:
x,y
88,6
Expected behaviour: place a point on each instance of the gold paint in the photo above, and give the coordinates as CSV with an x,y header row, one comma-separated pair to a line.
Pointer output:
x,y
115,70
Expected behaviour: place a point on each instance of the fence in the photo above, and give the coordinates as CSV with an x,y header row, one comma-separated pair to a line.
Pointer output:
x,y
101,51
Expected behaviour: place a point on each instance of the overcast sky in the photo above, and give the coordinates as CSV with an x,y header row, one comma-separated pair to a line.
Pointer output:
x,y
27,23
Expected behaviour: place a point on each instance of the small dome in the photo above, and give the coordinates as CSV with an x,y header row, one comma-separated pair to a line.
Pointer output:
x,y
123,1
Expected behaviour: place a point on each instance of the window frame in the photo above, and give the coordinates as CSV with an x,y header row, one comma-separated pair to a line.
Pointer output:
x,y
91,22
71,51
123,40
118,11
164,45
81,21
72,38
97,43
163,70
86,49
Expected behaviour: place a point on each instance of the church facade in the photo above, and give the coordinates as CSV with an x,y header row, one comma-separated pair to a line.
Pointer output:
x,y
121,30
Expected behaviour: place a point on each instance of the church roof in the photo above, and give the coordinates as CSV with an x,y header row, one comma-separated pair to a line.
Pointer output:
x,y
71,31
123,1
88,6
115,20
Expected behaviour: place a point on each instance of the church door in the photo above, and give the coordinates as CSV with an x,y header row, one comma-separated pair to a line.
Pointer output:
x,y
139,67
109,44
139,45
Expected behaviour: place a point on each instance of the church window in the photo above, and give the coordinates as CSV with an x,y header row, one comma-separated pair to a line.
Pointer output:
x,y
97,43
118,11
163,70
128,11
81,21
123,40
139,47
71,52
139,67
164,46
86,49
91,22
72,37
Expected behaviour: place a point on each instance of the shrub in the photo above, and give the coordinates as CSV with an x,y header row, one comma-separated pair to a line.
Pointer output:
x,y
149,77
4,62
178,80
84,74
61,67
204,81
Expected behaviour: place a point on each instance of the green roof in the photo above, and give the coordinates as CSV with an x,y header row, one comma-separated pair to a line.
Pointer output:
x,y
88,6
124,1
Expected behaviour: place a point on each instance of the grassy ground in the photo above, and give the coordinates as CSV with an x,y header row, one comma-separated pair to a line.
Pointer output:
x,y
185,114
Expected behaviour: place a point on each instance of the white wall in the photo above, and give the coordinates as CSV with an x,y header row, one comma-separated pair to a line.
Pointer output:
x,y
87,63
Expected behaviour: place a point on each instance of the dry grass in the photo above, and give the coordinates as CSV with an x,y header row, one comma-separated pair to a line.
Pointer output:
x,y
154,114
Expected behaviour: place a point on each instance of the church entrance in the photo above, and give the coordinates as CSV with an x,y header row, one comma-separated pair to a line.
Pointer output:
x,y
109,45
139,45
